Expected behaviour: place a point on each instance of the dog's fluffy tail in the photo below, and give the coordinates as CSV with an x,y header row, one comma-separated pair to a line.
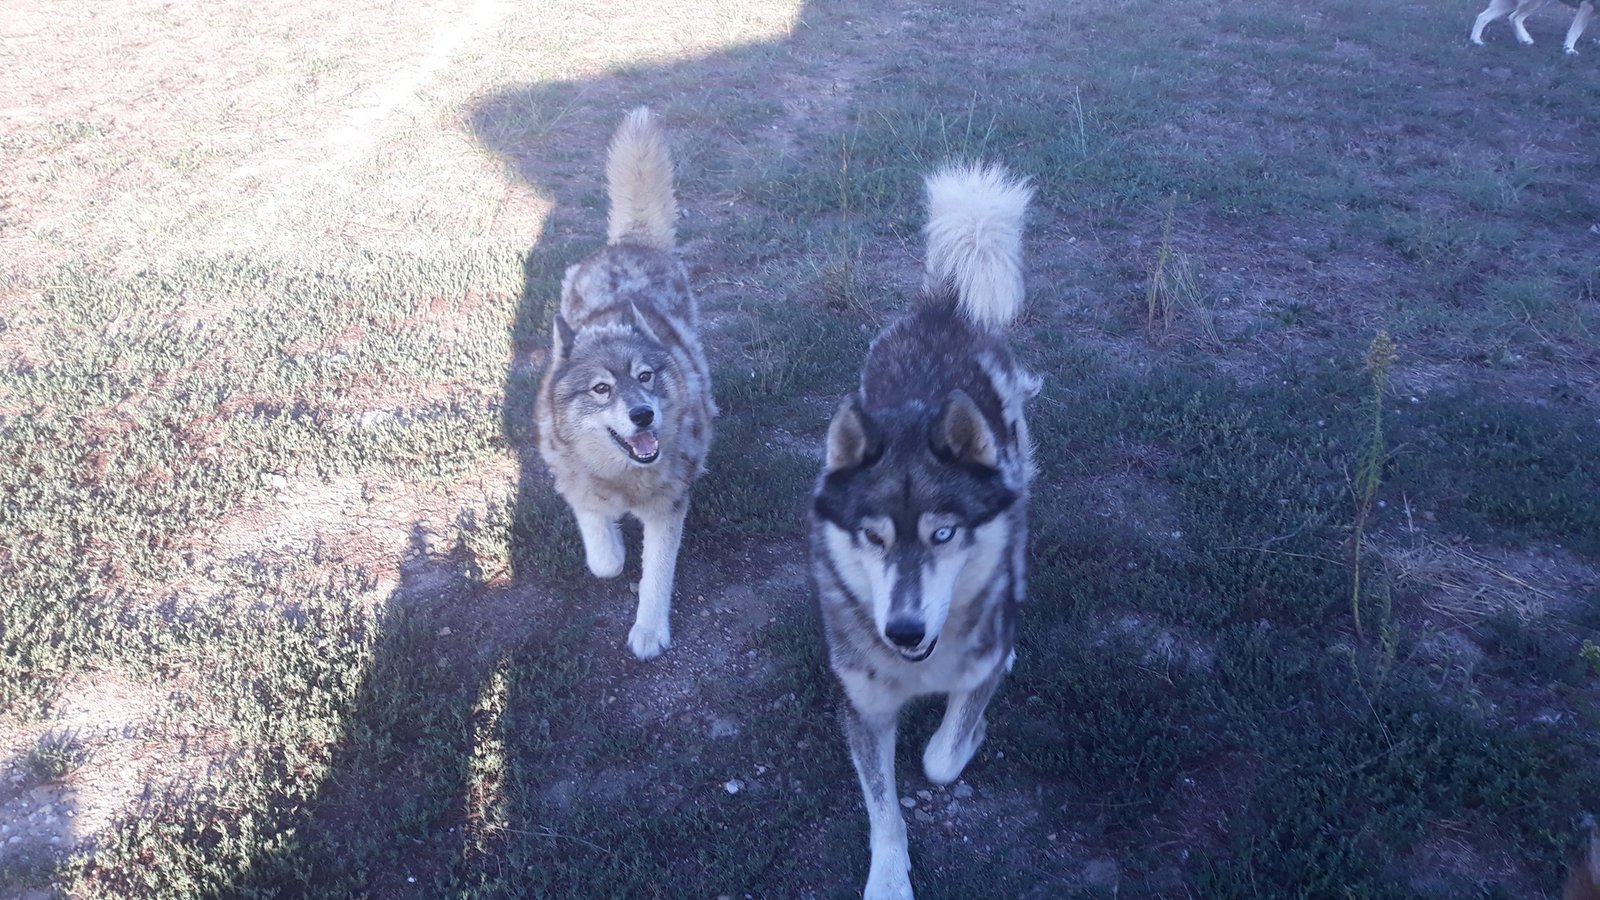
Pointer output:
x,y
975,240
639,180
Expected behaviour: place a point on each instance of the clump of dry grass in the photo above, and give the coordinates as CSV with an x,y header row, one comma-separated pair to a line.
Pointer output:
x,y
1467,587
1174,292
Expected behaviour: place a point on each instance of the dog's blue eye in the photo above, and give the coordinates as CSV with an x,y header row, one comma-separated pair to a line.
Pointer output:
x,y
644,377
943,535
601,388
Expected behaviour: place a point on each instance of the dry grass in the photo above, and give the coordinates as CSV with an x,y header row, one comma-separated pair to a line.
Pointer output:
x,y
1465,586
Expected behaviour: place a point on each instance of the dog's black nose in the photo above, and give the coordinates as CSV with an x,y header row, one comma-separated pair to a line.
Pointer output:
x,y
642,416
905,633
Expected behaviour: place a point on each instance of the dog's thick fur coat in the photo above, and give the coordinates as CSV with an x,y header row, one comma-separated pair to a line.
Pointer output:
x,y
1519,10
625,409
918,524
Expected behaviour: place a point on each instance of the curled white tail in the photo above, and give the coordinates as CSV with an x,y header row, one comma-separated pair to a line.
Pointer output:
x,y
974,237
639,180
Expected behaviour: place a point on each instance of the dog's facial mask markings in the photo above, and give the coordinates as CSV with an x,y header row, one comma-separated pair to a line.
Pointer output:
x,y
623,385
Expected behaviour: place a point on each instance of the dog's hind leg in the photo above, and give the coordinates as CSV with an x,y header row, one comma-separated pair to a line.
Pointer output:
x,y
1519,18
871,736
1579,23
663,532
602,542
1495,10
961,732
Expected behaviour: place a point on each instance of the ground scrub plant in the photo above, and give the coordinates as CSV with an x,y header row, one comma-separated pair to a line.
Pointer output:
x,y
1381,356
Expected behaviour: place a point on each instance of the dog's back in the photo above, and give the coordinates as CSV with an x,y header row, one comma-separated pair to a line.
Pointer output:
x,y
637,268
972,288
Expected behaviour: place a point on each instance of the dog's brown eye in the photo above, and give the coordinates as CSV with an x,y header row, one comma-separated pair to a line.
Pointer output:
x,y
873,538
644,377
602,388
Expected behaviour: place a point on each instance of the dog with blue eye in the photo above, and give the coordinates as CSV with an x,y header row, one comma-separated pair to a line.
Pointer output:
x,y
918,522
625,409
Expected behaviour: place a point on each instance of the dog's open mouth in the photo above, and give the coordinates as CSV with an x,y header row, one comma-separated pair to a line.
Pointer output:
x,y
641,448
917,656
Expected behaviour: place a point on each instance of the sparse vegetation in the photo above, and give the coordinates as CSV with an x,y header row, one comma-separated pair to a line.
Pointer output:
x,y
271,523
56,754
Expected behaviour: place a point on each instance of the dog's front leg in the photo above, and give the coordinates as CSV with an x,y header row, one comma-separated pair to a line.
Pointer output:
x,y
1579,23
961,732
602,542
871,738
663,532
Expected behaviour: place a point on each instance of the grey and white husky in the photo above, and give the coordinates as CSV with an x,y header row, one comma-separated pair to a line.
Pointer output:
x,y
918,523
625,409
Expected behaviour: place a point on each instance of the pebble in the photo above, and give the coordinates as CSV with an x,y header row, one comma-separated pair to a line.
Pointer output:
x,y
962,792
923,815
908,803
924,795
733,786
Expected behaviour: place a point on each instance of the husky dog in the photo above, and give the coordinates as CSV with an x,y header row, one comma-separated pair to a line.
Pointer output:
x,y
625,409
918,522
1519,10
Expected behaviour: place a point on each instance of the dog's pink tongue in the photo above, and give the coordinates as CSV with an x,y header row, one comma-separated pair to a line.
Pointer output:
x,y
644,444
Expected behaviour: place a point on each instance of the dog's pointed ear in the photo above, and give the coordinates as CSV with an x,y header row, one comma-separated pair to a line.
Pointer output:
x,y
963,434
641,324
853,439
562,340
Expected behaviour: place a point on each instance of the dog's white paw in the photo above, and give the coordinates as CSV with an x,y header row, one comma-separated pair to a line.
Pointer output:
x,y
1477,41
944,759
890,875
1571,51
648,639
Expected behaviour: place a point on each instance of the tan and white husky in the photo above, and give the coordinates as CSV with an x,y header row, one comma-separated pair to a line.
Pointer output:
x,y
625,409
